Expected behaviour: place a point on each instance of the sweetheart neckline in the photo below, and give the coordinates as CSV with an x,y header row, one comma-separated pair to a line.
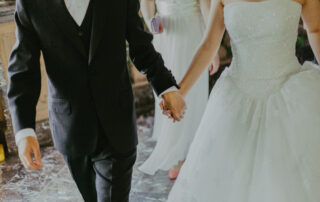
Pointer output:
x,y
256,2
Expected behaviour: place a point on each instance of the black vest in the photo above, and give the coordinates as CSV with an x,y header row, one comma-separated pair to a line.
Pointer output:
x,y
84,31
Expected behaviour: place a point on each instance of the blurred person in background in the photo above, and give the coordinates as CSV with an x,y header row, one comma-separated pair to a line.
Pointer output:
x,y
178,27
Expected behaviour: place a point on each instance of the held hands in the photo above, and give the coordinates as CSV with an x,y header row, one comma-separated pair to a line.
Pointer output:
x,y
173,105
29,153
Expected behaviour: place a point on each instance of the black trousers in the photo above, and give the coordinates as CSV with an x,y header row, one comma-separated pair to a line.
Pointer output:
x,y
105,175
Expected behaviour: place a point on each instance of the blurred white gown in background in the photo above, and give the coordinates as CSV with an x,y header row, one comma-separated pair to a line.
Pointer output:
x,y
259,139
183,32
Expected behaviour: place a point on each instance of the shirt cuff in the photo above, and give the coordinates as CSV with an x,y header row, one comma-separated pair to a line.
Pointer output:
x,y
171,89
27,132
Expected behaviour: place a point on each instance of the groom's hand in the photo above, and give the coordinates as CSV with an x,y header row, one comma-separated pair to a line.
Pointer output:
x,y
173,105
29,153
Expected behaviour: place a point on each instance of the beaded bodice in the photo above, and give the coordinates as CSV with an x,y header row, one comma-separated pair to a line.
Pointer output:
x,y
263,37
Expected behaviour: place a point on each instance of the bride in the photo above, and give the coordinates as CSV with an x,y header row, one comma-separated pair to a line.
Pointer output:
x,y
259,138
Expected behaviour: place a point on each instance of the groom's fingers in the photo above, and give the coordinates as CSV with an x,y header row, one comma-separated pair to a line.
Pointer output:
x,y
166,112
176,116
37,156
28,162
24,160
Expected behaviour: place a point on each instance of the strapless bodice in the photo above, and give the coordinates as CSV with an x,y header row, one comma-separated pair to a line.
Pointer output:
x,y
177,7
263,37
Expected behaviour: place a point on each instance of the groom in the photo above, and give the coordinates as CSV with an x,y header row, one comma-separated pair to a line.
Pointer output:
x,y
91,106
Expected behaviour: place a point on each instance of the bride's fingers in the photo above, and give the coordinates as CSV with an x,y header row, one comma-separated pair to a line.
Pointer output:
x,y
161,105
176,116
172,113
211,70
181,116
183,112
167,113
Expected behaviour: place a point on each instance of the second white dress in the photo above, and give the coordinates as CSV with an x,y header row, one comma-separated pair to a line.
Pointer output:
x,y
183,32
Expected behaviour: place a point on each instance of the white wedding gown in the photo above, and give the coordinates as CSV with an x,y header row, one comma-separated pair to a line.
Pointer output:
x,y
259,139
183,32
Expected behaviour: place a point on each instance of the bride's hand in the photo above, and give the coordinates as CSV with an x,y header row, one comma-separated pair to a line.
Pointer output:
x,y
214,66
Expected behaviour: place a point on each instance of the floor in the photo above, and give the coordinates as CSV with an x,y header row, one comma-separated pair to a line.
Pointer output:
x,y
54,184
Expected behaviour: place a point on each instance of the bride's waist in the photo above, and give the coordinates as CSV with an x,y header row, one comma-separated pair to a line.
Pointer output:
x,y
177,9
260,84
263,69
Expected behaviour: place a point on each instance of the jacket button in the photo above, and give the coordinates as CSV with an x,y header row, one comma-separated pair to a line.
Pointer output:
x,y
80,33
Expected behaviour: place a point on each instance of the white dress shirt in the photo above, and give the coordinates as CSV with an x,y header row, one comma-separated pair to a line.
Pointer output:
x,y
77,9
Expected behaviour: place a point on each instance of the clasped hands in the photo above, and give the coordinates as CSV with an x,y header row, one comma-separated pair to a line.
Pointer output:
x,y
173,105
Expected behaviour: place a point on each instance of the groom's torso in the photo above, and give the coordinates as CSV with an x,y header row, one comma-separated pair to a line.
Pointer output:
x,y
87,73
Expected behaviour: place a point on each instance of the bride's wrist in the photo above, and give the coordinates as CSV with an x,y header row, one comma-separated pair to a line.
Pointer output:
x,y
182,92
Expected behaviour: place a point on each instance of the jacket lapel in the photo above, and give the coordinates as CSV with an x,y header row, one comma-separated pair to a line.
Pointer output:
x,y
63,20
98,23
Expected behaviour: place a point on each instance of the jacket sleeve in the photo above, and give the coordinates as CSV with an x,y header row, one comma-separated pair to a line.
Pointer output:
x,y
24,72
143,54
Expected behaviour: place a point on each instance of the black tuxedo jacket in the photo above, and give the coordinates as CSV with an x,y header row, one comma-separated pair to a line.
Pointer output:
x,y
87,88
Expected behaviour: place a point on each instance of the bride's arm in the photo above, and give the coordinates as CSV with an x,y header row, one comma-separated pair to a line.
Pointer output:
x,y
205,11
208,48
311,18
148,10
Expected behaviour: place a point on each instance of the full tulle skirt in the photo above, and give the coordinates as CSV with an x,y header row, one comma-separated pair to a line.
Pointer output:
x,y
253,147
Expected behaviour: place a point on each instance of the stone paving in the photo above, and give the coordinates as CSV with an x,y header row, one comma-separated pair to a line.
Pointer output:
x,y
54,184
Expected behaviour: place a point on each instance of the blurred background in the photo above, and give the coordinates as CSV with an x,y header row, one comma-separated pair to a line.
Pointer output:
x,y
53,183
